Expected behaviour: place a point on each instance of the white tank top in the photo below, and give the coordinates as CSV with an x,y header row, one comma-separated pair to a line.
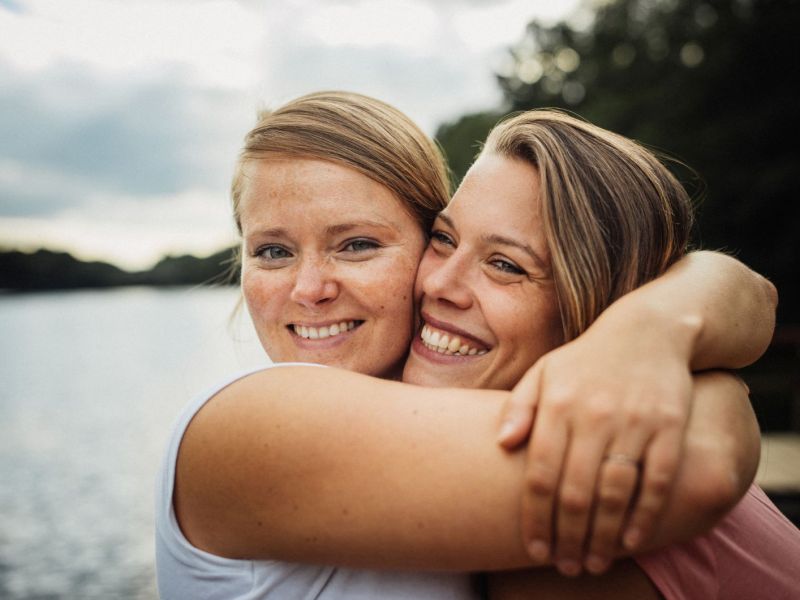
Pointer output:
x,y
185,572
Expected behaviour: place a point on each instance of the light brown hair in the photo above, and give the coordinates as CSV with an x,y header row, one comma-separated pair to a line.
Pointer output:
x,y
358,132
614,215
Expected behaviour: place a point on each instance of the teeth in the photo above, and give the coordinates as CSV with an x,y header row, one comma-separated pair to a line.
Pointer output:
x,y
454,345
319,333
444,344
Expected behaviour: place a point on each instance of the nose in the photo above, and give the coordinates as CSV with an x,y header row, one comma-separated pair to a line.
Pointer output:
x,y
446,281
314,283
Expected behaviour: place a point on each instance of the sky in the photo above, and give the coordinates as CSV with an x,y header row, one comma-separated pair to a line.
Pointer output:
x,y
120,120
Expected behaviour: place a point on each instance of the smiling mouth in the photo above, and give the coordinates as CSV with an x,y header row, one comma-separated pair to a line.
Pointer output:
x,y
321,333
449,344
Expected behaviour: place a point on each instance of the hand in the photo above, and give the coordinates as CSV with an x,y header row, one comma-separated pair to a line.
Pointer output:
x,y
608,409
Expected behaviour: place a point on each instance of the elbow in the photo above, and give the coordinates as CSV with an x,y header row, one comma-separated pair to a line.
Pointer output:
x,y
771,295
725,479
769,310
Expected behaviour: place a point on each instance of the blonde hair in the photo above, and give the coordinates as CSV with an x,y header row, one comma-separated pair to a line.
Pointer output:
x,y
614,216
358,132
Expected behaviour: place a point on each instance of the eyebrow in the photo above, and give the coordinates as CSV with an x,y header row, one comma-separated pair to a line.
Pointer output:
x,y
335,229
339,228
495,238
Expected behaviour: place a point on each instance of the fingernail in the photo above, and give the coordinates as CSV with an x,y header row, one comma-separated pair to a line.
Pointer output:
x,y
505,431
596,564
569,567
538,551
632,538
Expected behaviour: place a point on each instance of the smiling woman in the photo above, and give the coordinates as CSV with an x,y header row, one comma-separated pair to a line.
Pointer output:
x,y
290,481
317,234
486,276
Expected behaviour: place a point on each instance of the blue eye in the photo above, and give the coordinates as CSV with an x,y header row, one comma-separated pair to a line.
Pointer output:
x,y
273,252
506,267
360,245
440,237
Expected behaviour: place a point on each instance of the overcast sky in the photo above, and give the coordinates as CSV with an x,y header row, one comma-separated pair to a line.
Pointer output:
x,y
120,119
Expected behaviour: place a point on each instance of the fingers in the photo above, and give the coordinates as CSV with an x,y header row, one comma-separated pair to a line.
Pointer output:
x,y
660,467
516,417
576,495
616,488
543,472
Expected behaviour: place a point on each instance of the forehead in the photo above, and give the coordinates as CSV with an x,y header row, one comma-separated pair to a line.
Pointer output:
x,y
279,187
501,195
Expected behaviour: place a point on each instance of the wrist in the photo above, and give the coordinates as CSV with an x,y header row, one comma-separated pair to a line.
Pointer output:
x,y
671,327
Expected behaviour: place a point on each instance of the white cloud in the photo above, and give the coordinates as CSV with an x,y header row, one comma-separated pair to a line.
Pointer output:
x,y
120,121
217,40
498,24
403,23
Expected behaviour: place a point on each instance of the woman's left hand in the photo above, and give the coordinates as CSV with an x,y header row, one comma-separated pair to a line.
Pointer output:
x,y
610,416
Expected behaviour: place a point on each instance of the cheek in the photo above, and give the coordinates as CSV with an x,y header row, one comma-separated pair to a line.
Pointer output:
x,y
398,290
260,294
530,328
426,267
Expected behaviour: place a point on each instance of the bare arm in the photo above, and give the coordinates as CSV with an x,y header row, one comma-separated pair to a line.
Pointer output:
x,y
729,308
368,473
722,452
327,466
622,389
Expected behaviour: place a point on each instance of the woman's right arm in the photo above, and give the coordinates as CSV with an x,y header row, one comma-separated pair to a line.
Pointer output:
x,y
330,467
326,466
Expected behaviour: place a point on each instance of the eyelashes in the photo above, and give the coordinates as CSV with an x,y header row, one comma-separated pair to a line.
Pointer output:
x,y
355,249
500,264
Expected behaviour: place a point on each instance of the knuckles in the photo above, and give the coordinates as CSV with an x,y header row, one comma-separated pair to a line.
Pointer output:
x,y
541,480
575,500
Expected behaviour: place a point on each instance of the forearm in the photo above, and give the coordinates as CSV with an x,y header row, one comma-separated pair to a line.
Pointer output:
x,y
720,459
330,467
711,307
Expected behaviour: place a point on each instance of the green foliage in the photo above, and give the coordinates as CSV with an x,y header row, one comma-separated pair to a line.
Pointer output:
x,y
710,82
462,140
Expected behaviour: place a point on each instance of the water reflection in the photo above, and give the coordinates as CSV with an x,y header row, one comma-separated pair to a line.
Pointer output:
x,y
90,384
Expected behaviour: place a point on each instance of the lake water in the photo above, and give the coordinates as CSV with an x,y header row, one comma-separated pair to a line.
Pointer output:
x,y
90,384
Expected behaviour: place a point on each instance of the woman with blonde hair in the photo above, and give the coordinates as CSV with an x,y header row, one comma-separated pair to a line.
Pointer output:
x,y
275,473
515,252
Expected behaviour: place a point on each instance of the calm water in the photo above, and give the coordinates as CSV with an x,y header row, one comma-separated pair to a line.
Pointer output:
x,y
90,384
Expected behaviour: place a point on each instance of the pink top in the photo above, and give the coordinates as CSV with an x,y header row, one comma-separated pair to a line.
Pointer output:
x,y
754,552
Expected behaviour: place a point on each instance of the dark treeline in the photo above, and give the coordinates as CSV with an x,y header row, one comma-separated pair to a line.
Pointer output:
x,y
712,84
45,270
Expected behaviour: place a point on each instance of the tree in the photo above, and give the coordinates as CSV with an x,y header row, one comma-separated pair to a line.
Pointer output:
x,y
709,82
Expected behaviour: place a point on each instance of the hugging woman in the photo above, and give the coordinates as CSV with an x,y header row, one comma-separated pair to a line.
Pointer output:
x,y
301,481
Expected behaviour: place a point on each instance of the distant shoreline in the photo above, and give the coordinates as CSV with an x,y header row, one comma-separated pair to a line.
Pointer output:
x,y
48,270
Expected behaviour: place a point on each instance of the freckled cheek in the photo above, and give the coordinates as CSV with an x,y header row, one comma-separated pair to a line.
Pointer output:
x,y
397,299
263,297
